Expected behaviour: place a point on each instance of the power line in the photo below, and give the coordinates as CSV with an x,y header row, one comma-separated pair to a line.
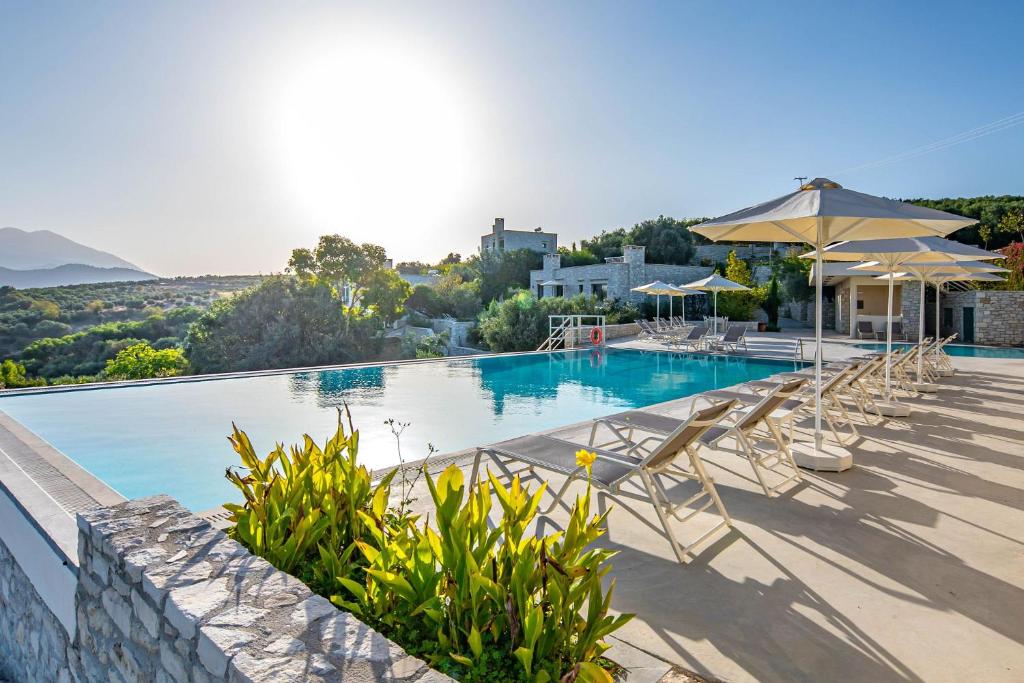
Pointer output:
x,y
945,143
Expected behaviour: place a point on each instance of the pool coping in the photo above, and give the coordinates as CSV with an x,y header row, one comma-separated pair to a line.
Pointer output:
x,y
183,379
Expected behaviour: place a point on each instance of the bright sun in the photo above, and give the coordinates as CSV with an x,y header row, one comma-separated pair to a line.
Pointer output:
x,y
373,137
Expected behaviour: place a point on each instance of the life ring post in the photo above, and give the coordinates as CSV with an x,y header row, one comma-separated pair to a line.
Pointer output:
x,y
596,336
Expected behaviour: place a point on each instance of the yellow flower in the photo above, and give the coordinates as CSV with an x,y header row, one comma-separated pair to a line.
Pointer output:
x,y
585,458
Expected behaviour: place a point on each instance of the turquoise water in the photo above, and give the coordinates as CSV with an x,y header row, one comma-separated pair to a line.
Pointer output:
x,y
172,438
960,350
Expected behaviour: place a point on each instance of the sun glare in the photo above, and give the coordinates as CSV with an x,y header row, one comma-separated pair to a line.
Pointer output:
x,y
371,133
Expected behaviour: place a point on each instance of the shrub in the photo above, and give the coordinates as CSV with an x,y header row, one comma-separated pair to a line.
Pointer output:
x,y
480,601
12,376
520,322
142,361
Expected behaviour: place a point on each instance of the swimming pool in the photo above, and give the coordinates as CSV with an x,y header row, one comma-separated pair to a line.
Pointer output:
x,y
171,437
960,350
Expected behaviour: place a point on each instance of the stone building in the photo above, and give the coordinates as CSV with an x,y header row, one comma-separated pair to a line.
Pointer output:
x,y
612,279
500,239
993,317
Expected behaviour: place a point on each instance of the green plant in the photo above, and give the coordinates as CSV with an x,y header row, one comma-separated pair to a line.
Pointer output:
x,y
470,589
142,361
772,301
304,510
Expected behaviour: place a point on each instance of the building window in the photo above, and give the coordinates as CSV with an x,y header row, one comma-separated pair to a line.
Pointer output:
x,y
501,245
540,291
597,289
581,289
860,305
559,290
543,245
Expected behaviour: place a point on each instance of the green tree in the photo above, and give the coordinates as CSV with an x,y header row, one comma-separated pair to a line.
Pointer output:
x,y
501,272
985,233
737,270
284,322
666,239
577,257
793,273
772,301
1012,223
142,361
12,376
385,293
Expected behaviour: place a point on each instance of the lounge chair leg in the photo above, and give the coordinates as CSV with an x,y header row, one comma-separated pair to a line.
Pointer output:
x,y
659,508
708,483
748,449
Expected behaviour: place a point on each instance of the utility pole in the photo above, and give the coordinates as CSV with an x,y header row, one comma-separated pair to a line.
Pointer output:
x,y
800,179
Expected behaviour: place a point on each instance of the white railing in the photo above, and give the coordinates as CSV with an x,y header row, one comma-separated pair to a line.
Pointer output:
x,y
570,331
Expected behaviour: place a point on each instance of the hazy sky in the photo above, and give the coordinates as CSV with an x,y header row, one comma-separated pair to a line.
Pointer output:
x,y
213,137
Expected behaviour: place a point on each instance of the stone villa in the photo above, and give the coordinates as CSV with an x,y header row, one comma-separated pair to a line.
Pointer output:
x,y
500,239
612,279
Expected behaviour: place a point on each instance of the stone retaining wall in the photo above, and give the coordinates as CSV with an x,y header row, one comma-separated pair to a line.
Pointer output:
x,y
164,597
33,643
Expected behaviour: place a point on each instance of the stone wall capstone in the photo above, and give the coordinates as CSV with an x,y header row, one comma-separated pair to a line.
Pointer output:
x,y
164,597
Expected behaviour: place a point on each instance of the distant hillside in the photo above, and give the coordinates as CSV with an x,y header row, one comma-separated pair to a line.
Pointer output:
x,y
69,274
988,209
41,249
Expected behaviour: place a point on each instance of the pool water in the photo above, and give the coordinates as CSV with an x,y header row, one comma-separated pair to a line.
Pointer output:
x,y
172,437
960,350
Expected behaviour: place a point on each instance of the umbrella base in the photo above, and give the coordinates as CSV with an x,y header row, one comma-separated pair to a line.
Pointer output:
x,y
945,372
926,387
829,458
893,408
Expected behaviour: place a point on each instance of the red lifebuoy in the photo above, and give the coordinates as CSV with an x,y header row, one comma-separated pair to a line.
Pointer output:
x,y
596,336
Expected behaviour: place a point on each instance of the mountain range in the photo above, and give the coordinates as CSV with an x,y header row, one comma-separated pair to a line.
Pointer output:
x,y
43,258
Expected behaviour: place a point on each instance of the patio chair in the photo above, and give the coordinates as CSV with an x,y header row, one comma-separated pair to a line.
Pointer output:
x,y
694,339
649,459
733,339
865,330
833,411
898,333
743,430
647,330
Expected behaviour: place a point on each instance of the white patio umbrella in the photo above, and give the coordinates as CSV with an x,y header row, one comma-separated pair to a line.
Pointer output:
x,y
819,213
716,283
682,292
957,273
657,288
891,256
926,273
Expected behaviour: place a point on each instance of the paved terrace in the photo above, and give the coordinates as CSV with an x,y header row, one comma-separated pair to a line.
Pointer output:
x,y
906,568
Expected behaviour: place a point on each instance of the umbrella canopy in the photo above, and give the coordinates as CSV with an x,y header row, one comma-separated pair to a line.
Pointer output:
x,y
715,283
824,211
900,250
890,255
821,212
926,269
657,288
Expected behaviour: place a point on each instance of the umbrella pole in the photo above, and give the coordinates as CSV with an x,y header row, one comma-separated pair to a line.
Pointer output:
x,y
920,336
817,341
683,299
715,318
670,310
888,337
938,329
